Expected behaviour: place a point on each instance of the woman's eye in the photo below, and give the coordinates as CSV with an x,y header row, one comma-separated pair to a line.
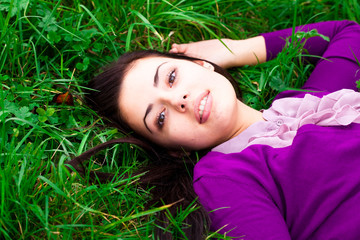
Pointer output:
x,y
161,119
172,77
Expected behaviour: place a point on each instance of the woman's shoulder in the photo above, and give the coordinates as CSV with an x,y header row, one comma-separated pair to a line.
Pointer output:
x,y
231,166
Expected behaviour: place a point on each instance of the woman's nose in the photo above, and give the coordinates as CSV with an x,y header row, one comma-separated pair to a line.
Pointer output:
x,y
183,102
179,102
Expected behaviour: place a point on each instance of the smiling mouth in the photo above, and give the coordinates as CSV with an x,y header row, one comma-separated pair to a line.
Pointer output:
x,y
202,106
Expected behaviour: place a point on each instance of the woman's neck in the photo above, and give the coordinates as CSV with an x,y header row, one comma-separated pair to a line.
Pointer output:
x,y
246,117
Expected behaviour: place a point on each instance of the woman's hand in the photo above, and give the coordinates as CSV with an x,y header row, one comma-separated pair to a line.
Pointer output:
x,y
212,50
236,52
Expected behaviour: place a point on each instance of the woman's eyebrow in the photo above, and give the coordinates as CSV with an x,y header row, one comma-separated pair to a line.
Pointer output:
x,y
148,109
156,77
146,113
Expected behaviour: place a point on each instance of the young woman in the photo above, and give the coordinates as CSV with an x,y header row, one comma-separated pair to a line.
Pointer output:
x,y
289,172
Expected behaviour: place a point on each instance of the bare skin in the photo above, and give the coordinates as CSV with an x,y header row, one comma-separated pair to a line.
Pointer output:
x,y
167,110
243,52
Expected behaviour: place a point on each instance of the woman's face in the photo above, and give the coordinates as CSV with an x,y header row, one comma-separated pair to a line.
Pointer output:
x,y
179,103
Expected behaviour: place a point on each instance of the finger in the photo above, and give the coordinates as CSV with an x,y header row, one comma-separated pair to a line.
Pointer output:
x,y
180,48
173,50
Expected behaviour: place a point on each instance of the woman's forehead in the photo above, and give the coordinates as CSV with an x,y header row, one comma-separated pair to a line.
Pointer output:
x,y
138,80
143,69
151,61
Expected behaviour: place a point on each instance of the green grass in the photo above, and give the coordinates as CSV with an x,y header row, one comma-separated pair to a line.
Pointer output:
x,y
51,47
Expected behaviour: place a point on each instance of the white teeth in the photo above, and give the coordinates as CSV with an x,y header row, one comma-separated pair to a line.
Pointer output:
x,y
202,106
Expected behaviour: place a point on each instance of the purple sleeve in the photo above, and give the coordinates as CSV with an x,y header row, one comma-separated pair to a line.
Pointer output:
x,y
338,68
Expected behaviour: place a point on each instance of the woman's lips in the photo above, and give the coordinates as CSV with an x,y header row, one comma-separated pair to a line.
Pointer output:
x,y
202,108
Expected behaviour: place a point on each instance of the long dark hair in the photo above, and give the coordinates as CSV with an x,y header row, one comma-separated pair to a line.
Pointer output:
x,y
169,176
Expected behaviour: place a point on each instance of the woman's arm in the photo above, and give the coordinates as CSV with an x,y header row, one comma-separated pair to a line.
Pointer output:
x,y
337,69
243,52
338,66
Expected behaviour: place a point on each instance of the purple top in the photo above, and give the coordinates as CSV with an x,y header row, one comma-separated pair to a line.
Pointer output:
x,y
305,182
